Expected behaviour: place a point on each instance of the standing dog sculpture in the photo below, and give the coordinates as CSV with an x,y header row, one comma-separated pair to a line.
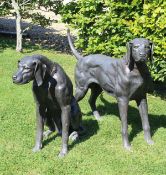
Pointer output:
x,y
53,94
125,79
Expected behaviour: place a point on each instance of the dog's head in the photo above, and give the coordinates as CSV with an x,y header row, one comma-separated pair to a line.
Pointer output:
x,y
30,68
139,50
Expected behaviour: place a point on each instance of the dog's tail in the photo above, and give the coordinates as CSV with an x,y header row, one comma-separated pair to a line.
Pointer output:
x,y
76,54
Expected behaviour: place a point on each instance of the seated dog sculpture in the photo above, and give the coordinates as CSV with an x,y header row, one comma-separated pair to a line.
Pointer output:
x,y
53,94
125,79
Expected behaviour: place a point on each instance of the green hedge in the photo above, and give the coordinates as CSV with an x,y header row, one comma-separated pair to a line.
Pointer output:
x,y
105,26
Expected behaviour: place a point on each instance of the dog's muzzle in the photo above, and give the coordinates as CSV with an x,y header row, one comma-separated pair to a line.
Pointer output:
x,y
14,78
17,80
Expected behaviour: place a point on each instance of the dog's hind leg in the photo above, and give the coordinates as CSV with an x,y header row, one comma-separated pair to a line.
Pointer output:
x,y
80,93
47,133
74,136
52,122
95,92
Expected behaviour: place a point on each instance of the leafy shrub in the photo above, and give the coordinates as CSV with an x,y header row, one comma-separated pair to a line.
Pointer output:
x,y
158,70
105,26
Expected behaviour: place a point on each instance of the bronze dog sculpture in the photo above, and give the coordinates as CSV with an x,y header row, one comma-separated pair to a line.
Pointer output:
x,y
53,93
125,79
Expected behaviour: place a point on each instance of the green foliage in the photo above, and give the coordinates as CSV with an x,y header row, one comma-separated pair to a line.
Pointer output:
x,y
158,70
104,26
4,8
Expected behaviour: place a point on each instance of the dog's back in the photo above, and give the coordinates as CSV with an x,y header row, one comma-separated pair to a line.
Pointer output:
x,y
103,70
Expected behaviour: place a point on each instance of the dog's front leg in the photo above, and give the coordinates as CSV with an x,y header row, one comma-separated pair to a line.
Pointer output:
x,y
143,110
39,128
123,109
65,116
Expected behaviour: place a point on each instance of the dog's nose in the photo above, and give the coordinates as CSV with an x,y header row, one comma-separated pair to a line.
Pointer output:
x,y
14,77
142,54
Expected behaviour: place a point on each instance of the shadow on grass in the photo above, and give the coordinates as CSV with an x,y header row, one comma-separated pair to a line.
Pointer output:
x,y
134,119
47,38
49,139
7,42
91,128
160,90
91,125
10,42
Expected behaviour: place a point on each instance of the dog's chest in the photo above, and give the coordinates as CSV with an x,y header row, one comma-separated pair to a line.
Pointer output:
x,y
46,94
51,94
136,84
128,82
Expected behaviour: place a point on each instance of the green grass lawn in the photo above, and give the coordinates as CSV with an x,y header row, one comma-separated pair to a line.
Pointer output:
x,y
99,152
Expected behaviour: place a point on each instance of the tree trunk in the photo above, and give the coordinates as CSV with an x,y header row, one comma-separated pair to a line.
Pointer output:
x,y
18,26
19,34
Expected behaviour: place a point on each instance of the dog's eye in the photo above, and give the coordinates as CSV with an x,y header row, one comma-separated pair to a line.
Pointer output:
x,y
27,68
135,47
147,47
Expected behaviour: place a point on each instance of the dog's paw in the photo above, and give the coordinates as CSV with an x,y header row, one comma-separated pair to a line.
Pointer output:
x,y
74,136
97,115
36,148
62,153
47,133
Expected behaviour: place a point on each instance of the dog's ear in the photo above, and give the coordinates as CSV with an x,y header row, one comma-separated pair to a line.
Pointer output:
x,y
129,58
39,73
18,63
151,52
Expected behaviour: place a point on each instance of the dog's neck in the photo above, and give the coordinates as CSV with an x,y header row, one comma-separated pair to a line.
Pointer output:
x,y
145,74
143,70
51,67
